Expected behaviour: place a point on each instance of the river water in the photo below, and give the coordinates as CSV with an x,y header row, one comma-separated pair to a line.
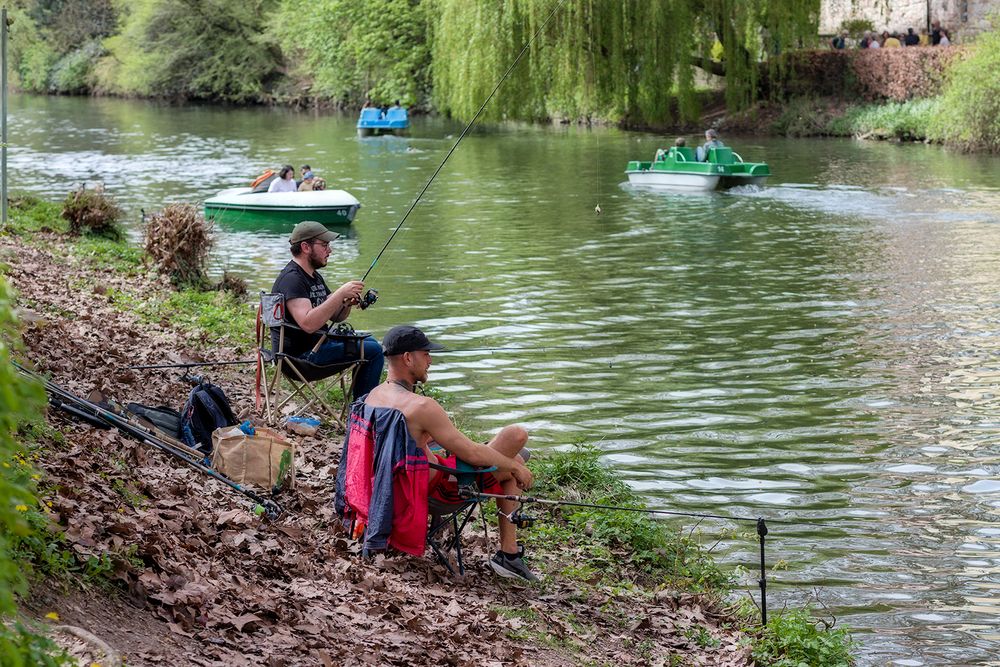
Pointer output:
x,y
823,351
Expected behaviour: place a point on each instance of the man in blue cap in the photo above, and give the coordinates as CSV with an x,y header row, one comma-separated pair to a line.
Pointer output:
x,y
408,352
309,305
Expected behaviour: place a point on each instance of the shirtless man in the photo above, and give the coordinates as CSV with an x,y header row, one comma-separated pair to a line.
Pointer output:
x,y
408,353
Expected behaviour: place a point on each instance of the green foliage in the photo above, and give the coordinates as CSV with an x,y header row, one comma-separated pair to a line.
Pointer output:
x,y
617,60
72,22
611,540
73,72
907,121
31,214
20,646
92,211
969,114
30,54
20,401
351,50
794,638
209,49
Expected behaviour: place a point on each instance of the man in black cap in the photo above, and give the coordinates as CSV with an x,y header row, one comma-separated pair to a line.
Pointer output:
x,y
309,305
409,356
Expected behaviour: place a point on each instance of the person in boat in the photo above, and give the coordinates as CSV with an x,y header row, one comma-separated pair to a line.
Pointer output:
x,y
679,142
302,170
711,141
309,305
285,182
308,180
408,352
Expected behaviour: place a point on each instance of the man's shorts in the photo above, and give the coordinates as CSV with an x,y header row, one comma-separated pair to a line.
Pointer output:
x,y
444,487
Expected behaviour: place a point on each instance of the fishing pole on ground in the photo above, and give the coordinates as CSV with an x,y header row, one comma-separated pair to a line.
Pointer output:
x,y
105,419
193,364
520,520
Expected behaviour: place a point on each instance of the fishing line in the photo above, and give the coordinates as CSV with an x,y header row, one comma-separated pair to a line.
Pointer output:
x,y
468,127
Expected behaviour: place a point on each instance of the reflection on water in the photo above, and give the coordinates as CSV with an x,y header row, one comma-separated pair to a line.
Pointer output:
x,y
822,351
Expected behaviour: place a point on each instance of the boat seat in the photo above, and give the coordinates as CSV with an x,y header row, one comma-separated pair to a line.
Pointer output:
x,y
396,114
684,153
721,155
370,114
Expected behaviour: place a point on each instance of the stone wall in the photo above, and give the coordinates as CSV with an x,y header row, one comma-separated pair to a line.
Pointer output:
x,y
961,18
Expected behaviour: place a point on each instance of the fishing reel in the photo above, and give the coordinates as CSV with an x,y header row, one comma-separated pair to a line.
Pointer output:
x,y
369,299
518,519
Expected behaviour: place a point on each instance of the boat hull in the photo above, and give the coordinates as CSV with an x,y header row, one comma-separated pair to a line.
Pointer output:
x,y
244,208
674,181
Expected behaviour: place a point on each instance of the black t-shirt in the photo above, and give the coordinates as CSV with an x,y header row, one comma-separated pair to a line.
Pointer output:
x,y
295,283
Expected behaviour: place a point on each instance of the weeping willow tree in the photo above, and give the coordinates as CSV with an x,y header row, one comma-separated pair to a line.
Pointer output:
x,y
630,60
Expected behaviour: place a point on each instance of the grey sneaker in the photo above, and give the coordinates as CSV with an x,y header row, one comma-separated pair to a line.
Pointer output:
x,y
511,568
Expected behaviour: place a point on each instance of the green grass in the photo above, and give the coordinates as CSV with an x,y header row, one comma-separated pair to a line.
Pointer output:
x,y
907,121
794,637
617,546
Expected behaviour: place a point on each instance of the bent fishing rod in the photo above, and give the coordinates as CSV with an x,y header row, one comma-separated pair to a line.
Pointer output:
x,y
105,419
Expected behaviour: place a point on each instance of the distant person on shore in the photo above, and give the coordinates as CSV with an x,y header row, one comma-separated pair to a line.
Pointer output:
x,y
892,42
945,41
839,42
874,43
285,182
711,141
865,40
912,38
935,32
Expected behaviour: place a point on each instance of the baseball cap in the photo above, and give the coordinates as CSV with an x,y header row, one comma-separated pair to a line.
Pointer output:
x,y
406,338
307,230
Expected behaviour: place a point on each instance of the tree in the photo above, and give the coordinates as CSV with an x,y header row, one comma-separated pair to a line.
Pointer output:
x,y
348,50
199,49
617,59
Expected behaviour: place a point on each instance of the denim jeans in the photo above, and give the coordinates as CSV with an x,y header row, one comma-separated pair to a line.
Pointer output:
x,y
369,373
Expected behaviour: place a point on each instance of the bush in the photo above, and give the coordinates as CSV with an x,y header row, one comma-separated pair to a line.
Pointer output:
x,y
20,401
73,72
92,211
871,74
969,114
177,241
906,121
793,638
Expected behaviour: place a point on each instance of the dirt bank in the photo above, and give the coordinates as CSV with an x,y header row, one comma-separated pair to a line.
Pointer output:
x,y
199,580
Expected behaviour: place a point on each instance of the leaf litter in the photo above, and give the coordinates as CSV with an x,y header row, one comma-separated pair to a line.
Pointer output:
x,y
200,580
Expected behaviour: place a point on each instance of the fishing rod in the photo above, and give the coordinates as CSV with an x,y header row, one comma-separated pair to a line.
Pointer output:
x,y
194,364
462,136
520,520
105,419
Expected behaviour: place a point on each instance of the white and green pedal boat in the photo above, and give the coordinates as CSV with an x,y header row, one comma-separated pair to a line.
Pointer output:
x,y
679,169
244,207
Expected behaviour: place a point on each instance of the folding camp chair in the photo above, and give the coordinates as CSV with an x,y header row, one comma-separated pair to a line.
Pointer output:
x,y
306,380
454,511
382,494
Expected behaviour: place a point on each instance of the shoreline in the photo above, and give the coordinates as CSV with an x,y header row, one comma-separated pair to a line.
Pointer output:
x,y
181,553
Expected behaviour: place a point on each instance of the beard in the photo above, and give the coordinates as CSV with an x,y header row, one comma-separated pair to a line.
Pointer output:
x,y
316,261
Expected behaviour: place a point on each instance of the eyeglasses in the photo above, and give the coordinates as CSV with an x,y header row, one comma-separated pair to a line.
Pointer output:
x,y
325,244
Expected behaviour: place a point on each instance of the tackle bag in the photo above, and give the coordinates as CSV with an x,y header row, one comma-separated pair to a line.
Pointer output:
x,y
159,417
262,458
206,410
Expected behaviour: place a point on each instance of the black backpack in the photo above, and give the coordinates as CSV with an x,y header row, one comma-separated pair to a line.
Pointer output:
x,y
206,409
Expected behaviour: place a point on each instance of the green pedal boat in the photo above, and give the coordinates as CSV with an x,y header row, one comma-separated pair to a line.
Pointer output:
x,y
245,208
678,169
